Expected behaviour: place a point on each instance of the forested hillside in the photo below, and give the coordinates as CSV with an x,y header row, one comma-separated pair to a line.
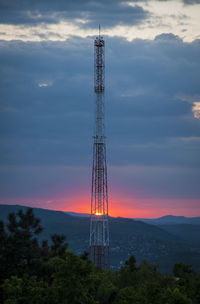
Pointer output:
x,y
127,237
37,272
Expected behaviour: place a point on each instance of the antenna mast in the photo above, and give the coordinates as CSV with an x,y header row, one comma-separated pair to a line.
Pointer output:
x,y
99,230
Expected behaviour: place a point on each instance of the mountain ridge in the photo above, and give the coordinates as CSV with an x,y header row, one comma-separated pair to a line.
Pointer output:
x,y
172,219
166,218
127,236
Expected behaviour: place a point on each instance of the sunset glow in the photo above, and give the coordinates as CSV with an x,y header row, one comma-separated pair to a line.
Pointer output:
x,y
119,206
152,105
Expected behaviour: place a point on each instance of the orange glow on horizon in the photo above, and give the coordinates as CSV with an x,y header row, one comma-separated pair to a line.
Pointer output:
x,y
119,205
138,207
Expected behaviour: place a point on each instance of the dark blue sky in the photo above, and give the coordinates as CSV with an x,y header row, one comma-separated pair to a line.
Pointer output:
x,y
152,105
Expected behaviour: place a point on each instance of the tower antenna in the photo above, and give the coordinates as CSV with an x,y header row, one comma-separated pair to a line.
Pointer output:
x,y
99,230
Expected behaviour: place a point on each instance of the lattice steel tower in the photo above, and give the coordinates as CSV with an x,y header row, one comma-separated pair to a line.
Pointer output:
x,y
99,230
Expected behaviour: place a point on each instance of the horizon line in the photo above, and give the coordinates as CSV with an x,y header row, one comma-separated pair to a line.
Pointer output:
x,y
43,208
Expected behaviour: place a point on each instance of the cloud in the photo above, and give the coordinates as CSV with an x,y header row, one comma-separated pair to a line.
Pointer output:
x,y
155,181
191,2
86,13
44,84
150,90
192,100
168,37
196,109
58,21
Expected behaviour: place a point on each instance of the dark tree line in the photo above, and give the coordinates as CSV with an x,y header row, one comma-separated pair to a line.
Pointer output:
x,y
34,272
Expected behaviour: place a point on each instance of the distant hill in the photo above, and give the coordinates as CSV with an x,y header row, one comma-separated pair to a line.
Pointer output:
x,y
187,232
164,220
127,236
77,214
172,220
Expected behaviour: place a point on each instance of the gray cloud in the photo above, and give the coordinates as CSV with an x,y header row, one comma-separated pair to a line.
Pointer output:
x,y
109,13
147,123
190,2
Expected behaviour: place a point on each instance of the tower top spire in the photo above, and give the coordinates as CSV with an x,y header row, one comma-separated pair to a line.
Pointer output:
x,y
99,30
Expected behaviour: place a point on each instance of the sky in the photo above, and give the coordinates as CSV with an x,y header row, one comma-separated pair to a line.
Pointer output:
x,y
152,51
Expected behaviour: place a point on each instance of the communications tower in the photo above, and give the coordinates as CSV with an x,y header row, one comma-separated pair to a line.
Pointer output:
x,y
99,230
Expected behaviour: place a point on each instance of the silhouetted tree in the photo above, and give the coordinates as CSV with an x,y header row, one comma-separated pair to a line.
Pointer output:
x,y
59,246
84,255
42,273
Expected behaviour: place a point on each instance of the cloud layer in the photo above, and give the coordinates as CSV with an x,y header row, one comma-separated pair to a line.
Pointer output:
x,y
58,21
47,114
47,101
108,13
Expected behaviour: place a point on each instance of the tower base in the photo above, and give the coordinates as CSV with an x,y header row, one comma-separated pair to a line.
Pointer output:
x,y
100,256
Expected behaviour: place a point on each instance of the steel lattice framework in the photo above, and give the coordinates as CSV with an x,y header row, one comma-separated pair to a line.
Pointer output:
x,y
99,230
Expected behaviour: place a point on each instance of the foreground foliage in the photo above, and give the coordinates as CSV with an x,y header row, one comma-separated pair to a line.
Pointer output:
x,y
36,272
